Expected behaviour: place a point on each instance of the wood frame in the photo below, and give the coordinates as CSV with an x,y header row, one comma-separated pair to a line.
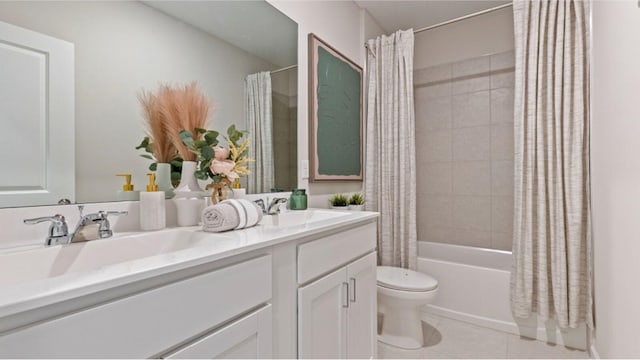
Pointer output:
x,y
314,161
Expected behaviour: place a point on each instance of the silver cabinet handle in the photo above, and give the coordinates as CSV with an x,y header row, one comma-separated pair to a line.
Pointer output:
x,y
345,289
352,284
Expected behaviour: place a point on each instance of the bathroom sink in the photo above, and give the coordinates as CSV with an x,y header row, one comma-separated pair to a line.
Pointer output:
x,y
301,217
47,262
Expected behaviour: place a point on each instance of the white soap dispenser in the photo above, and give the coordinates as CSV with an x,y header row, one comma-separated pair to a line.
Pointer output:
x,y
127,193
152,206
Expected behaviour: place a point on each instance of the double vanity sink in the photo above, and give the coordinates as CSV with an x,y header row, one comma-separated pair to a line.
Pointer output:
x,y
44,288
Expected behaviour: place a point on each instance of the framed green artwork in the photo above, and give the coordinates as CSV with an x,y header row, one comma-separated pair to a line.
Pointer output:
x,y
335,115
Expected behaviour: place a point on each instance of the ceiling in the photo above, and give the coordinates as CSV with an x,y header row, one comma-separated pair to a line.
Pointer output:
x,y
397,15
254,26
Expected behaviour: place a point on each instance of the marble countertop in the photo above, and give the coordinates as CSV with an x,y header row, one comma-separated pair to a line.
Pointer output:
x,y
33,294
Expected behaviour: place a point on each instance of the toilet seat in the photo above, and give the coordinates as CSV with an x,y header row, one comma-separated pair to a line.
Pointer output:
x,y
404,279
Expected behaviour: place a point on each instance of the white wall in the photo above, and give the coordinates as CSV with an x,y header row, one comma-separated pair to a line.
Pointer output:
x,y
482,35
121,48
337,23
615,154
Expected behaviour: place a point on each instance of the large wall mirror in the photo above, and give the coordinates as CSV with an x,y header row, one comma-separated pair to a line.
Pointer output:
x,y
121,48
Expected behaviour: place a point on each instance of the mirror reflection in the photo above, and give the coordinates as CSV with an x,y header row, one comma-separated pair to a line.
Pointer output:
x,y
122,48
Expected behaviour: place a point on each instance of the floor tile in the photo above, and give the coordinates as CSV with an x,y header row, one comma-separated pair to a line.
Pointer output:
x,y
459,339
391,352
524,348
451,339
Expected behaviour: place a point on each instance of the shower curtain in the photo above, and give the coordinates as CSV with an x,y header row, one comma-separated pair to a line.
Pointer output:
x,y
390,169
259,119
552,270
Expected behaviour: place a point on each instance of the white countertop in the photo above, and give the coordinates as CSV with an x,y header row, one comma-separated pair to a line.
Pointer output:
x,y
29,295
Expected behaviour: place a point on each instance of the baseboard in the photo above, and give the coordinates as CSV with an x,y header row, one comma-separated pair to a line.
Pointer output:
x,y
575,338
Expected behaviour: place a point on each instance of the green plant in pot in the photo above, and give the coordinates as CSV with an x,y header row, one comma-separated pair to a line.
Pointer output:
x,y
339,201
356,202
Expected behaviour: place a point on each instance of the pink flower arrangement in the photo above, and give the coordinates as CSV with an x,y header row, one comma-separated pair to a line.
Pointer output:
x,y
219,166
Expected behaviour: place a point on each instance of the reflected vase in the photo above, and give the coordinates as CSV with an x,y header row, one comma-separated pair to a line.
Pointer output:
x,y
163,179
189,196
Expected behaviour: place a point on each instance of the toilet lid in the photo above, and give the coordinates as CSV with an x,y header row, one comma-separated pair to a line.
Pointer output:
x,y
405,279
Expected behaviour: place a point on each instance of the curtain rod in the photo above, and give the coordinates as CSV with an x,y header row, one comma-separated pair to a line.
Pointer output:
x,y
463,18
482,12
283,69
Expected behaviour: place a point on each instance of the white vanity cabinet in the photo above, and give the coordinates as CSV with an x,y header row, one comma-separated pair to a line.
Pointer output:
x,y
246,338
223,312
337,312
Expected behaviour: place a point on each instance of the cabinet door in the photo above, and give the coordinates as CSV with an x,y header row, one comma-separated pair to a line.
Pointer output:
x,y
362,318
247,338
322,317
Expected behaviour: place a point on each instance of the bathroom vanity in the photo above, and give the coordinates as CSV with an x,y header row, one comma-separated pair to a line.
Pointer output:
x,y
300,284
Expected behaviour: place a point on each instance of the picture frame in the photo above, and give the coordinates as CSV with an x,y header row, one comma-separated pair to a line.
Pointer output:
x,y
336,135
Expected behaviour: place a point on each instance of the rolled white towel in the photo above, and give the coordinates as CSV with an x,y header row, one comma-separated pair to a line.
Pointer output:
x,y
254,212
220,217
242,213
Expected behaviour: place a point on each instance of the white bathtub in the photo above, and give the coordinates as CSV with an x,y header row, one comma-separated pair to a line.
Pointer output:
x,y
474,287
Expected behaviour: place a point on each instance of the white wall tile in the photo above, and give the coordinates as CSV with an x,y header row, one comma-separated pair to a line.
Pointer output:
x,y
434,178
435,210
433,114
502,177
433,146
471,109
472,143
501,106
471,213
471,66
432,74
472,178
502,214
504,60
502,142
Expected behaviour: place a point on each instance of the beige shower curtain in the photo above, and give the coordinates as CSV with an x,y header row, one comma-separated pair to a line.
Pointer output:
x,y
390,167
552,224
259,122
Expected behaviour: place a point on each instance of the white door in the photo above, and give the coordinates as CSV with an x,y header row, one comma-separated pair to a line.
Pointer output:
x,y
362,323
36,117
247,338
322,317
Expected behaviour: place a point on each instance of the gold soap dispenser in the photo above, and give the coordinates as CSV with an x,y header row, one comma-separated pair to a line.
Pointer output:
x,y
152,206
127,193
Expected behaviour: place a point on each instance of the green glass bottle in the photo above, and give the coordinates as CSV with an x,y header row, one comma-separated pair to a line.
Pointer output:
x,y
298,200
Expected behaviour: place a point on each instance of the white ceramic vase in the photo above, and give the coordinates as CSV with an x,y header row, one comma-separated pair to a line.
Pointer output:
x,y
189,198
356,207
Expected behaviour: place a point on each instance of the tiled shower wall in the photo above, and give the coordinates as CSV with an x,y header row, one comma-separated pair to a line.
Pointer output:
x,y
285,132
464,145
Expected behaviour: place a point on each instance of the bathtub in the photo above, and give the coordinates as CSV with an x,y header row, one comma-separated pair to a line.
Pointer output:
x,y
473,286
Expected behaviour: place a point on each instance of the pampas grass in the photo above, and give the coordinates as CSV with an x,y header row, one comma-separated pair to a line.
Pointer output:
x,y
156,127
183,108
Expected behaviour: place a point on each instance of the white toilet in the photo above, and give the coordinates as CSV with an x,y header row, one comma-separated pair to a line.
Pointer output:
x,y
401,295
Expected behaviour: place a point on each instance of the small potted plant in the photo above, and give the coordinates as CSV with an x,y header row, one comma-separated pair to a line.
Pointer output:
x,y
339,201
356,202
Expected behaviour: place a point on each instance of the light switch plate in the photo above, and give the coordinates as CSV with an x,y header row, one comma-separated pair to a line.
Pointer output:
x,y
305,169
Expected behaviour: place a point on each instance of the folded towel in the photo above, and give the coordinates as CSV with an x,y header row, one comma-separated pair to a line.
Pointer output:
x,y
220,217
242,213
254,212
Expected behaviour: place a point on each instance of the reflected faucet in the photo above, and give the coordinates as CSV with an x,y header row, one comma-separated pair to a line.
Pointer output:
x,y
274,206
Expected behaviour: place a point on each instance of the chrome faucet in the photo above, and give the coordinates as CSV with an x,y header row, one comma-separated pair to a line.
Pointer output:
x,y
59,231
274,205
98,219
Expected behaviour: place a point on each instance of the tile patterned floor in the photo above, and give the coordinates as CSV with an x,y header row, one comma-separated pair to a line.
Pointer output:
x,y
450,339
